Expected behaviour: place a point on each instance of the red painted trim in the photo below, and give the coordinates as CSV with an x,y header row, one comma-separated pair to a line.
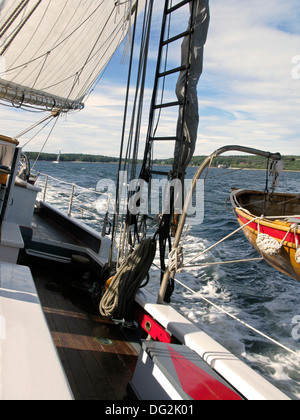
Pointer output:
x,y
275,233
157,332
197,383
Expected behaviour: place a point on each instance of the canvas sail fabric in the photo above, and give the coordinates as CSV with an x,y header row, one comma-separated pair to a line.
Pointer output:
x,y
188,120
52,51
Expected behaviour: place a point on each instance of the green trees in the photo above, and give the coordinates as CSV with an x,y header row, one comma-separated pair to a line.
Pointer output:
x,y
291,163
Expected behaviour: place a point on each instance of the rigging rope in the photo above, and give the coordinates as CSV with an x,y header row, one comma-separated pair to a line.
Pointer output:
x,y
46,141
20,28
53,114
224,262
7,24
222,240
128,163
119,297
224,311
238,319
117,206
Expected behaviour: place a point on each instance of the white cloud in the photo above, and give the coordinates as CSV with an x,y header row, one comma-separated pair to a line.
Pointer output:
x,y
247,85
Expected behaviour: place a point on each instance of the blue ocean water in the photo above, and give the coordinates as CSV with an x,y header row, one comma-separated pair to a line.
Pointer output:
x,y
253,291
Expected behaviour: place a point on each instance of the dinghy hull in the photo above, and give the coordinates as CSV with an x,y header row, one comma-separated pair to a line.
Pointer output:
x,y
282,225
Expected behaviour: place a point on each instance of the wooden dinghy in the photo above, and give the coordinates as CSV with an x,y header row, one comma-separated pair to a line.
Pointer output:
x,y
272,226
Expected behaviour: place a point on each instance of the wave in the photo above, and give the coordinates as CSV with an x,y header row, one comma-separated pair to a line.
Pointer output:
x,y
253,292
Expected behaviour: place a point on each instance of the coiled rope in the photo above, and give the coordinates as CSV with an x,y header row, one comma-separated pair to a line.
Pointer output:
x,y
119,297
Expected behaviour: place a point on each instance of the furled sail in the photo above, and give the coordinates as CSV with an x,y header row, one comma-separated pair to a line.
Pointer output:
x,y
192,53
52,51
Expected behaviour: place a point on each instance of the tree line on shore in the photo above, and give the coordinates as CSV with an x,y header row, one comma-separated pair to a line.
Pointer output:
x,y
291,163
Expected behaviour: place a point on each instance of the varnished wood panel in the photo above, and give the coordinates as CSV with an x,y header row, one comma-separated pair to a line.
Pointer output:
x,y
97,360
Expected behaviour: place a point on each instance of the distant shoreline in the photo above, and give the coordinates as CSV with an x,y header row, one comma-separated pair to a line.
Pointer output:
x,y
291,163
159,164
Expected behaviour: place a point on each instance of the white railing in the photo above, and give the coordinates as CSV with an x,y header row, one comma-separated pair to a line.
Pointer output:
x,y
78,202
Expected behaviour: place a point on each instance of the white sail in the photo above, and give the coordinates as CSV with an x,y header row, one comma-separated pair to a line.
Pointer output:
x,y
58,158
52,51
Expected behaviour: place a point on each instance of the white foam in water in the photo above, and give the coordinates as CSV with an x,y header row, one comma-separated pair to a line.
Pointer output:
x,y
276,365
254,292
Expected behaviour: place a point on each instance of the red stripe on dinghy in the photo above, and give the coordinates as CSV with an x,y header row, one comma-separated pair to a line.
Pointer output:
x,y
197,383
275,233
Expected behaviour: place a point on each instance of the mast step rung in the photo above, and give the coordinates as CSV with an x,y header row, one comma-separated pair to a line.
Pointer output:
x,y
163,139
172,71
167,105
159,173
175,38
177,6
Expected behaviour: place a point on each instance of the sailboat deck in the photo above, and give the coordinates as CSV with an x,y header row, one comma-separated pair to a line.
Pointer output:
x,y
98,361
45,229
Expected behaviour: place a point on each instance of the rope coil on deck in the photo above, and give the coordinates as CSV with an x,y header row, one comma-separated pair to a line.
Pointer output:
x,y
120,295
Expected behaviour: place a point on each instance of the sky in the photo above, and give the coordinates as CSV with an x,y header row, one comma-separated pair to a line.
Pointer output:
x,y
249,93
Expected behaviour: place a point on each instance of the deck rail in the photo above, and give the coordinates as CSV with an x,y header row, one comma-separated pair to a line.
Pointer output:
x,y
77,201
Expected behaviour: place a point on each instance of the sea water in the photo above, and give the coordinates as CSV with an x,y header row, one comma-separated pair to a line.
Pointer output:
x,y
252,291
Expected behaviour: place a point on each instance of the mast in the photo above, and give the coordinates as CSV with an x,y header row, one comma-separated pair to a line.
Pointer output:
x,y
189,70
183,140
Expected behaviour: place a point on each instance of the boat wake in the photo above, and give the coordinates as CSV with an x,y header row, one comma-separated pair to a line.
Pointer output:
x,y
262,304
252,292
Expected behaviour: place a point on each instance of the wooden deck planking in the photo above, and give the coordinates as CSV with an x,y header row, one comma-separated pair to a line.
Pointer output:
x,y
95,370
47,230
